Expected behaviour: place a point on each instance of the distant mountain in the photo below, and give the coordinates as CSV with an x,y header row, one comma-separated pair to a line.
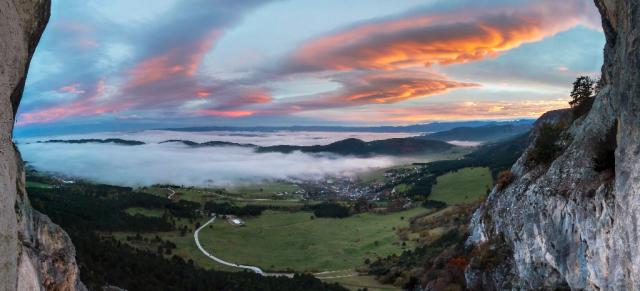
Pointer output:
x,y
353,146
350,146
214,143
95,140
421,128
485,133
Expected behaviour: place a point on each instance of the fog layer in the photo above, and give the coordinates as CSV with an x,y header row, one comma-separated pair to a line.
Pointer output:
x,y
178,164
301,138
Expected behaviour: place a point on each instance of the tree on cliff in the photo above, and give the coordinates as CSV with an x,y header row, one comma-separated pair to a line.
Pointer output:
x,y
584,89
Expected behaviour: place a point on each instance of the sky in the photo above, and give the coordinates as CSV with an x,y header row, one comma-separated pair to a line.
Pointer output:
x,y
142,64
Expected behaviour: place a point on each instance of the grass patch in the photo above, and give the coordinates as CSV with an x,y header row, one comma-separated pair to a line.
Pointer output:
x,y
280,240
256,193
402,188
31,184
144,211
464,186
266,189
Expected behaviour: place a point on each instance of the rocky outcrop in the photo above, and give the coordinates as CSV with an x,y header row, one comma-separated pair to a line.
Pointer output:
x,y
568,223
35,254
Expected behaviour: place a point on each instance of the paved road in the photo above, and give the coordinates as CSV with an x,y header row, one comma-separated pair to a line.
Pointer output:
x,y
252,268
172,193
258,270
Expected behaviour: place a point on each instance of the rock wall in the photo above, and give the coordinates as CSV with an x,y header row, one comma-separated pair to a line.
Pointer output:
x,y
35,254
566,224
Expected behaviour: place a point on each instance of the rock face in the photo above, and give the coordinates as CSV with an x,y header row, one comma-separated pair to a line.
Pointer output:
x,y
35,254
565,224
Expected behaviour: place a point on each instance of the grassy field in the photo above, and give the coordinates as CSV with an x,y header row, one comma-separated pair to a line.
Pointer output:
x,y
37,185
401,188
464,186
185,245
144,211
258,193
281,241
264,190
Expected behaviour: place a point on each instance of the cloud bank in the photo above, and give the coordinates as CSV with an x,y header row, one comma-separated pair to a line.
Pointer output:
x,y
175,163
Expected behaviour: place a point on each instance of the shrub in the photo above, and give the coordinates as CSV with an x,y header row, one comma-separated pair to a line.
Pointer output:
x,y
505,178
546,146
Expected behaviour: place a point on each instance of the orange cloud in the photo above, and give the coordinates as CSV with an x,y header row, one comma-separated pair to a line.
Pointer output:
x,y
225,113
386,88
202,94
452,111
444,39
363,88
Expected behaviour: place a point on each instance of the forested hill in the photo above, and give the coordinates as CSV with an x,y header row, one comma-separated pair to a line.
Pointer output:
x,y
415,128
485,133
356,147
95,140
350,146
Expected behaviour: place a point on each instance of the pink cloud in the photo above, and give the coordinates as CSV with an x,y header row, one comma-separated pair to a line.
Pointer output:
x,y
466,110
225,113
180,61
444,39
87,105
73,89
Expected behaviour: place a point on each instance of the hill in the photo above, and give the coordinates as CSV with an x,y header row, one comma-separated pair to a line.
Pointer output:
x,y
485,133
419,128
95,140
356,147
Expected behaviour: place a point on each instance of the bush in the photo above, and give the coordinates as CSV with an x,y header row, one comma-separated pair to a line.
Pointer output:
x,y
505,178
546,146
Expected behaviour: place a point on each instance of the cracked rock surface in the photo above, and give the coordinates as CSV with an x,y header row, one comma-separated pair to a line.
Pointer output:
x,y
35,253
566,224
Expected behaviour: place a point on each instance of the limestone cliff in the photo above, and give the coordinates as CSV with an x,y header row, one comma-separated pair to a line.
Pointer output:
x,y
35,254
565,223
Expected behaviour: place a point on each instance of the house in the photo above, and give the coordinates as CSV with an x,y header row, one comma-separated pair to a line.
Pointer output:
x,y
235,220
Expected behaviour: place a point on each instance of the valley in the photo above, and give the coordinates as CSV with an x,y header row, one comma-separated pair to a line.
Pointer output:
x,y
298,145
332,228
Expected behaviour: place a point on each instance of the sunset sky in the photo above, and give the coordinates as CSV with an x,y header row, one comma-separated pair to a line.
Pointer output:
x,y
172,63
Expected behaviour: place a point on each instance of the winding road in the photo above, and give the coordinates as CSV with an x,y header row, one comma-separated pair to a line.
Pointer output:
x,y
221,261
320,275
172,193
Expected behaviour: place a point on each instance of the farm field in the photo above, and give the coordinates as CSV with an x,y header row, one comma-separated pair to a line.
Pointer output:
x,y
144,211
467,185
279,241
257,194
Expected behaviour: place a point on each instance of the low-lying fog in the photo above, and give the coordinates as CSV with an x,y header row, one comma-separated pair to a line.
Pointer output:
x,y
174,163
301,138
